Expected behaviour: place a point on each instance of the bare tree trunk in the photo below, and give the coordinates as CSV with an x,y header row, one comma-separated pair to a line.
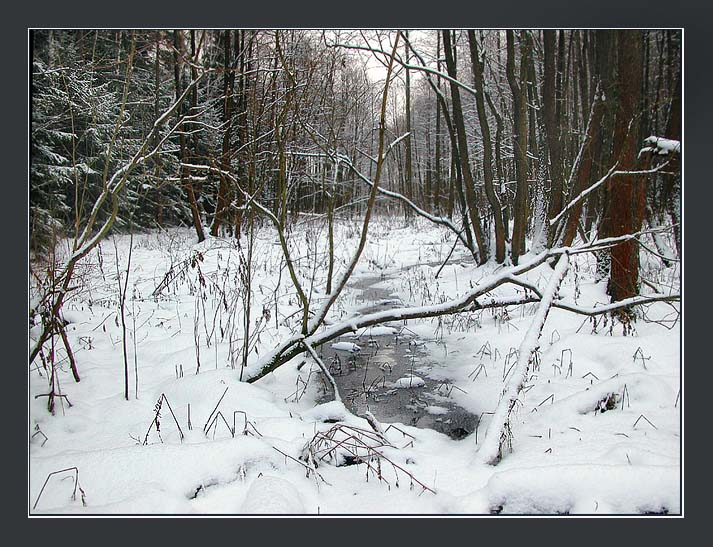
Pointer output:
x,y
672,188
437,162
583,174
519,143
222,202
552,125
468,183
487,149
499,166
157,95
185,173
627,196
599,202
408,160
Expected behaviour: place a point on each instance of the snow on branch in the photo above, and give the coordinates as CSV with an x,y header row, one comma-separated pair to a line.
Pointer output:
x,y
390,193
611,173
289,348
397,141
621,304
582,195
467,302
325,370
659,146
496,436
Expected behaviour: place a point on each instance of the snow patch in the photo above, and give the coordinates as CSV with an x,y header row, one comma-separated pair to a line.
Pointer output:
x,y
346,346
409,381
270,495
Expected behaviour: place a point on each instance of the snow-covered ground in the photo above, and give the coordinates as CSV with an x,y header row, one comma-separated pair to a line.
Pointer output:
x,y
598,430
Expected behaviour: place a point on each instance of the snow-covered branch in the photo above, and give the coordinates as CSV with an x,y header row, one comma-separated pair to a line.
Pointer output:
x,y
611,173
397,141
324,369
659,146
496,436
390,193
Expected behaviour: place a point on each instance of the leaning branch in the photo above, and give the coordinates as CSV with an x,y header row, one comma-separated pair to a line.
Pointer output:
x,y
415,208
324,370
497,435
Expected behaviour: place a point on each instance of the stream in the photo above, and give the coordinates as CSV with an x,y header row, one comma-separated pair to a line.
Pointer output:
x,y
393,374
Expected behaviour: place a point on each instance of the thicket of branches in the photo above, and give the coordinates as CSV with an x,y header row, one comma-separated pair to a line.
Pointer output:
x,y
542,142
516,141
533,124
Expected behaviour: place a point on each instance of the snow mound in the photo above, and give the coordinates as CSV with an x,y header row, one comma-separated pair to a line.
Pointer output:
x,y
436,410
346,346
409,381
270,495
586,489
378,330
333,411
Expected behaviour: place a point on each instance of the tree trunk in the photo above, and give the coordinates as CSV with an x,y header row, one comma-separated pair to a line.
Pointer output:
x,y
468,183
626,191
408,165
487,149
519,144
222,202
672,188
499,166
552,125
437,162
185,172
157,96
583,175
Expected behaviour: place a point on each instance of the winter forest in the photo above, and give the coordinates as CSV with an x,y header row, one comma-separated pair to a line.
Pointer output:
x,y
360,272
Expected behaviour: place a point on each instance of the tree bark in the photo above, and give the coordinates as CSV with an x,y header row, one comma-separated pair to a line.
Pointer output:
x,y
552,125
627,192
519,144
437,159
487,149
408,152
672,186
468,183
583,174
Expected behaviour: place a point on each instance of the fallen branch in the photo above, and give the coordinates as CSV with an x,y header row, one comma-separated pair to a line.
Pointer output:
x,y
490,451
324,369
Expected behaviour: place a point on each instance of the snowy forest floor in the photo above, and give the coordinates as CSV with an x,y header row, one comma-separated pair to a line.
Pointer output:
x,y
598,430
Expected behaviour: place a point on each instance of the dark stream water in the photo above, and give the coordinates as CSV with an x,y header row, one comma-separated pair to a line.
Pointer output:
x,y
369,379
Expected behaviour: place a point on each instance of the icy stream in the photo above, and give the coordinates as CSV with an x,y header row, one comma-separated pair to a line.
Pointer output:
x,y
394,375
